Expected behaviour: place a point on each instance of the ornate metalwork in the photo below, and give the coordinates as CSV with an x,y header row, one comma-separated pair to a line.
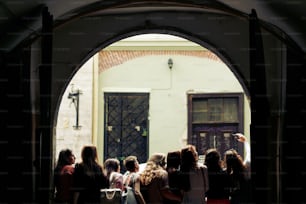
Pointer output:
x,y
126,125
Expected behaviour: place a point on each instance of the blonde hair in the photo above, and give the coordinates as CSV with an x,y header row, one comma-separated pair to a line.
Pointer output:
x,y
156,162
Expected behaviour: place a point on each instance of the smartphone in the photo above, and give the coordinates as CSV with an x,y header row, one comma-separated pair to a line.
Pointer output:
x,y
235,135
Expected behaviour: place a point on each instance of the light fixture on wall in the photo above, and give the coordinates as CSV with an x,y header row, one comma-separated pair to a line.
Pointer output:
x,y
74,95
170,63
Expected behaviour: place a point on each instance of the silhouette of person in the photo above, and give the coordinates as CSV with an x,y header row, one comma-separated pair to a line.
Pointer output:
x,y
218,192
238,173
173,169
131,177
89,177
194,176
112,168
63,177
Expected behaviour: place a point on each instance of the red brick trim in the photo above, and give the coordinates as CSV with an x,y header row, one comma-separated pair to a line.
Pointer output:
x,y
108,59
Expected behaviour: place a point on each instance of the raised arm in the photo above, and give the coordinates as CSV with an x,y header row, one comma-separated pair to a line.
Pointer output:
x,y
241,138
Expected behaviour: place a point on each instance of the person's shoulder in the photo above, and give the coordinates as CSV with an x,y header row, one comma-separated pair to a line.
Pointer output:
x,y
79,169
161,172
97,167
135,174
68,169
127,173
117,174
202,166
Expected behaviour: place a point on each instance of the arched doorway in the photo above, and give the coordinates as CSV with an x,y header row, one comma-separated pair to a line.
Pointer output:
x,y
123,73
278,118
236,56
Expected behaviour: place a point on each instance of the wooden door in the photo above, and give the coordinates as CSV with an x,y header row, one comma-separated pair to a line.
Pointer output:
x,y
217,136
212,118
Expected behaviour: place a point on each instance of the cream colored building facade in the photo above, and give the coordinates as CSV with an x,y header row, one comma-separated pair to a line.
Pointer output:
x,y
141,65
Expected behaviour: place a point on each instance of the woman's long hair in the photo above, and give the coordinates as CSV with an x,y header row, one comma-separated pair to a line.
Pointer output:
x,y
90,160
174,160
189,161
235,169
234,163
156,161
63,159
213,160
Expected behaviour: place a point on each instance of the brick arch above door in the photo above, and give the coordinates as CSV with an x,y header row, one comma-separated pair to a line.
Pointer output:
x,y
108,59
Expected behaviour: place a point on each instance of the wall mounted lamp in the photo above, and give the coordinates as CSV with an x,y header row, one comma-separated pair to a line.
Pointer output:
x,y
170,63
74,95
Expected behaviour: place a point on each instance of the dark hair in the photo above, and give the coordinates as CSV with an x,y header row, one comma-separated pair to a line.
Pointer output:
x,y
174,159
234,162
130,163
63,158
213,159
189,162
90,161
188,158
110,165
89,156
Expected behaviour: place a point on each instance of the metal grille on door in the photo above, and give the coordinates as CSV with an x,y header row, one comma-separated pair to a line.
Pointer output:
x,y
126,125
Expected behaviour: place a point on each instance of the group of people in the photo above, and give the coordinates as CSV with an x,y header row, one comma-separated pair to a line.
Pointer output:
x,y
173,178
229,179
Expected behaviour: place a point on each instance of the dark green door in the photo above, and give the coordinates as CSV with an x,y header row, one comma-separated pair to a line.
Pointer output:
x,y
126,125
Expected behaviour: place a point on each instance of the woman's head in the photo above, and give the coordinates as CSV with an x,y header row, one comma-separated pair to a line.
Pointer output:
x,y
231,155
159,159
154,164
233,162
89,155
213,159
66,157
174,159
189,158
112,165
131,164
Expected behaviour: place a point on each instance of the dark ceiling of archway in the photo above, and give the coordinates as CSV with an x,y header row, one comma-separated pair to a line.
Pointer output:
x,y
21,18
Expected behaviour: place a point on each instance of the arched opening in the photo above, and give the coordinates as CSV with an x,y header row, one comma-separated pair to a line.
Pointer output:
x,y
195,100
276,84
224,41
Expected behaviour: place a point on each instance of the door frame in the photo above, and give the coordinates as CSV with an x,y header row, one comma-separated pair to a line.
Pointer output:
x,y
240,124
105,133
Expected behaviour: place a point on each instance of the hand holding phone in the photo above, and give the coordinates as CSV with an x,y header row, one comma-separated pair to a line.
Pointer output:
x,y
240,137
